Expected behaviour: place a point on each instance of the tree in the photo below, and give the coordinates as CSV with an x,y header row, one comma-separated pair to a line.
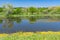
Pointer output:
x,y
32,10
43,10
8,9
18,11
1,9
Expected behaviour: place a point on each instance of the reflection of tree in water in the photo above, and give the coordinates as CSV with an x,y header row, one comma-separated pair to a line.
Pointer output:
x,y
9,22
1,21
17,19
32,19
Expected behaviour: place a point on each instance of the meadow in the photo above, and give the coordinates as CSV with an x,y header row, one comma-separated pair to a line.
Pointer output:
x,y
31,36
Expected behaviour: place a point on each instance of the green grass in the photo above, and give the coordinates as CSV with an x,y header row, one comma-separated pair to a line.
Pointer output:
x,y
32,37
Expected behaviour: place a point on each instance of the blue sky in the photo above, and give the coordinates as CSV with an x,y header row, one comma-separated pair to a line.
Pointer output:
x,y
28,3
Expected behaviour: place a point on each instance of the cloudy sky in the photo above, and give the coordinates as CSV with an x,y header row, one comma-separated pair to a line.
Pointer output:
x,y
28,3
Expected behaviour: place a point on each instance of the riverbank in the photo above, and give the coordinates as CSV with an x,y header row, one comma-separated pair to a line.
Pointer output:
x,y
31,36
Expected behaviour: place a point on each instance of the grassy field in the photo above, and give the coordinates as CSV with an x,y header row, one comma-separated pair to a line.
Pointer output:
x,y
31,36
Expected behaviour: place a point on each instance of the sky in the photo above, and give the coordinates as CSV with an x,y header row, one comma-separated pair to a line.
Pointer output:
x,y
29,3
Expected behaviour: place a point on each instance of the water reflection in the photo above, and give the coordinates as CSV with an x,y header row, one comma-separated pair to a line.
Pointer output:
x,y
8,21
32,19
1,20
30,24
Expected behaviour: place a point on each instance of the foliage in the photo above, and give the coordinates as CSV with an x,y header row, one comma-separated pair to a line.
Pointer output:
x,y
9,10
1,9
32,10
18,11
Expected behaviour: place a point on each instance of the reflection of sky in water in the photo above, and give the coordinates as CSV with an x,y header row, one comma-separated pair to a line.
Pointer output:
x,y
25,25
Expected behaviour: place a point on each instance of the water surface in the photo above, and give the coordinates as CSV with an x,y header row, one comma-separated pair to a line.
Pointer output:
x,y
12,25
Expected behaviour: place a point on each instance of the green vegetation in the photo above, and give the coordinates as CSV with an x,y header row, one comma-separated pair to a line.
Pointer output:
x,y
8,12
42,12
31,36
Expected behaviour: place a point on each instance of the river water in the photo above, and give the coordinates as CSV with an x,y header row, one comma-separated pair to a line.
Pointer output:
x,y
12,25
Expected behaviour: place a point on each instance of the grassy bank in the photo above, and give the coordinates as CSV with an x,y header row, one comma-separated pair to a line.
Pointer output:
x,y
31,36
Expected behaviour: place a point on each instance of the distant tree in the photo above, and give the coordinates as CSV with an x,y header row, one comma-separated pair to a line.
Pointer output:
x,y
8,9
42,9
32,10
18,11
1,9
